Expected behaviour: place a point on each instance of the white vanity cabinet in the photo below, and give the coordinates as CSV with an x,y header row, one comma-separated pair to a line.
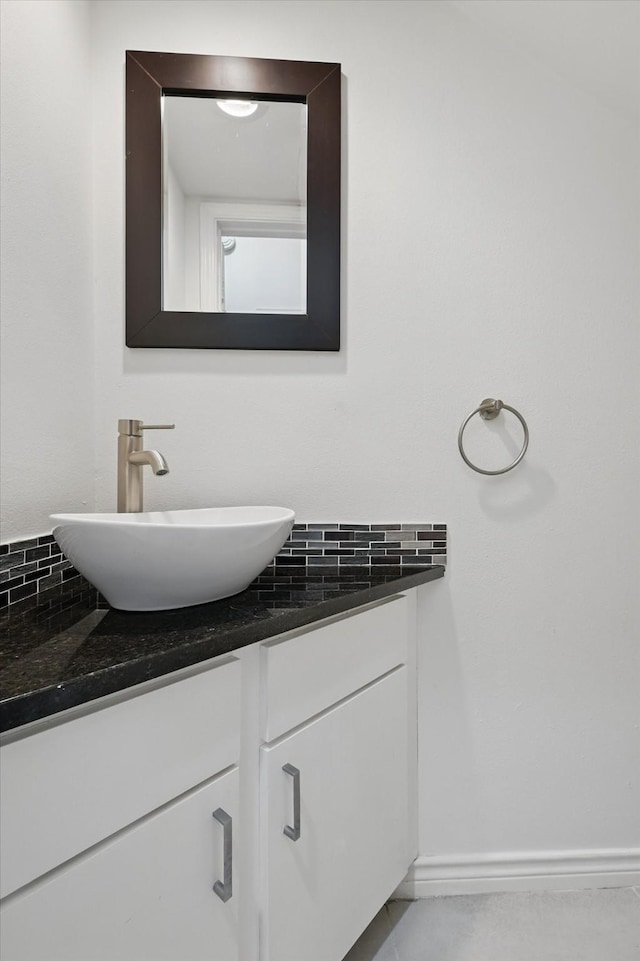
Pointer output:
x,y
337,825
259,807
110,845
144,895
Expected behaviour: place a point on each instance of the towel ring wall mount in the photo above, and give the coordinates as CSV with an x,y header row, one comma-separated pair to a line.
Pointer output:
x,y
488,410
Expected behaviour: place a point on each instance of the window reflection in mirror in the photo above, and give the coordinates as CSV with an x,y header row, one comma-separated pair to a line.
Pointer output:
x,y
264,275
234,171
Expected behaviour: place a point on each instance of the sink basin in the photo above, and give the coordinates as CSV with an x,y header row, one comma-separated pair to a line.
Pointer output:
x,y
160,560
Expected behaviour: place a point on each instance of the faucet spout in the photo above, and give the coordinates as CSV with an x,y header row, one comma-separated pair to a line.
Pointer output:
x,y
153,458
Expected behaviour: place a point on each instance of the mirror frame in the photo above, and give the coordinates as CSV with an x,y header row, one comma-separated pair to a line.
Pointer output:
x,y
318,85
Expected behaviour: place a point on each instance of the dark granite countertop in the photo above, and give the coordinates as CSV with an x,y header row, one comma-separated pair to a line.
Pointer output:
x,y
58,651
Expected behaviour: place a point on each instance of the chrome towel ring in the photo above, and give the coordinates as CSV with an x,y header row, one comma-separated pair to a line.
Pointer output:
x,y
488,409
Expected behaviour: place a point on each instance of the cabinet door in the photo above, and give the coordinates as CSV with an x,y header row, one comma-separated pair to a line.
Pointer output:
x,y
132,756
144,895
321,890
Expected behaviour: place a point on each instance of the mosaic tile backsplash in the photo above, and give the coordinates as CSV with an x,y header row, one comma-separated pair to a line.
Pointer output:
x,y
30,567
328,545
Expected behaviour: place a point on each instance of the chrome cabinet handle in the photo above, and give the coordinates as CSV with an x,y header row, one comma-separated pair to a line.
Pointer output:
x,y
224,888
293,832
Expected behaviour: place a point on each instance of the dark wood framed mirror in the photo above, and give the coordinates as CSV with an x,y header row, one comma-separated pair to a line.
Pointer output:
x,y
157,316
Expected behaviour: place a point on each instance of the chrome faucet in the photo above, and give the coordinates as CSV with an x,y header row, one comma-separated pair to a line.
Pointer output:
x,y
131,460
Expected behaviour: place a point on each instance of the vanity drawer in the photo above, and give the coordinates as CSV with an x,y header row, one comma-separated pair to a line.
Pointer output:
x,y
307,673
69,786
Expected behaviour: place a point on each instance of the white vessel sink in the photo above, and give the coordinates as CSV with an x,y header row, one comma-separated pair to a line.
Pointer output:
x,y
160,560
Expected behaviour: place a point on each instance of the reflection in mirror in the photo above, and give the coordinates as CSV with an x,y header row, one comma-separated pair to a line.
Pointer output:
x,y
264,274
234,205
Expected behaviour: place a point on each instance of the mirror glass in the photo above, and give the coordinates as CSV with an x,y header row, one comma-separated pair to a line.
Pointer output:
x,y
234,212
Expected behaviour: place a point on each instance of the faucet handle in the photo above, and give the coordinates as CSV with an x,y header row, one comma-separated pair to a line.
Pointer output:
x,y
134,428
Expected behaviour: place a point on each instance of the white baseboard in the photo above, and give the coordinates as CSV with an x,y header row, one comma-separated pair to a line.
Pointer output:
x,y
520,871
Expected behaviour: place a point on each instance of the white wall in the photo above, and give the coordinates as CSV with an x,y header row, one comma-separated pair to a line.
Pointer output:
x,y
47,308
490,243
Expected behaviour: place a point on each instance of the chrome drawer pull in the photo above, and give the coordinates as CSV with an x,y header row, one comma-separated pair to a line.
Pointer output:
x,y
293,832
224,888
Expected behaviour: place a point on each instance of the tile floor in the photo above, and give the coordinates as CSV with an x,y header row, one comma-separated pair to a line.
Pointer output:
x,y
592,925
